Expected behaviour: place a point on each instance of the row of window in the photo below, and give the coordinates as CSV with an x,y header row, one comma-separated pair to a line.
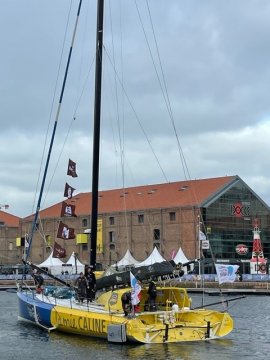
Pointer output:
x,y
172,217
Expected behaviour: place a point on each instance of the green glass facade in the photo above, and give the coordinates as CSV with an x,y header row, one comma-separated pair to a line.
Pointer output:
x,y
229,221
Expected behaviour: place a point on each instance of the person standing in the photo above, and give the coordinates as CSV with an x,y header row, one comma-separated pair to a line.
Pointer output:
x,y
126,302
91,285
81,284
152,293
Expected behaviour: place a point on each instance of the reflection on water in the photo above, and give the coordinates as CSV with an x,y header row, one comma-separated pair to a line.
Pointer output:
x,y
250,339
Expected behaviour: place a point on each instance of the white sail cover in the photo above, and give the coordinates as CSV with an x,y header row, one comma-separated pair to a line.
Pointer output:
x,y
54,265
154,257
73,265
126,260
180,257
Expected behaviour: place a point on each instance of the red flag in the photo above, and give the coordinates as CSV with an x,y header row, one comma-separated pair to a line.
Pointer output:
x,y
65,232
71,168
58,251
68,191
67,210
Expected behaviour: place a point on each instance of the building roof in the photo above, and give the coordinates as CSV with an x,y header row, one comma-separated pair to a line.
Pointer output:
x,y
8,219
167,195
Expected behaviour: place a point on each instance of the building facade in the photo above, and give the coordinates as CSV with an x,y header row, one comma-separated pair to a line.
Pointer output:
x,y
168,216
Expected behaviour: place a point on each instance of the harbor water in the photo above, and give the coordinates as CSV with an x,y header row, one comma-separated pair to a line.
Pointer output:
x,y
249,339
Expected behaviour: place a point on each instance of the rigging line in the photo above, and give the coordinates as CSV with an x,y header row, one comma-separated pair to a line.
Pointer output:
x,y
181,153
164,93
168,104
121,142
53,136
52,104
69,129
136,115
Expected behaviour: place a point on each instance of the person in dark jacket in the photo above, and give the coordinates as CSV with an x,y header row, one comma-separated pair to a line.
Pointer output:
x,y
81,284
152,293
126,302
91,285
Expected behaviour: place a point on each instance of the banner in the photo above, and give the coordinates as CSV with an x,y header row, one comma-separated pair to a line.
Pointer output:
x,y
64,232
68,191
226,273
58,251
135,290
71,171
67,210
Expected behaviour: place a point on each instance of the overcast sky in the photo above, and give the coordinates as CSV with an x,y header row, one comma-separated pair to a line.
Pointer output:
x,y
214,57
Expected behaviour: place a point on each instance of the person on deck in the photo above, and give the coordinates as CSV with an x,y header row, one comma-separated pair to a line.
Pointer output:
x,y
81,284
126,302
39,281
91,285
152,293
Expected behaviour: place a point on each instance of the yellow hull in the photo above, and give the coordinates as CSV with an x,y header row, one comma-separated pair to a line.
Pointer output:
x,y
163,326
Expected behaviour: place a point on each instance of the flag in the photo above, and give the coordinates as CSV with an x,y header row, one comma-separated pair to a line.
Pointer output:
x,y
69,191
226,273
67,210
71,168
64,232
135,290
58,251
202,236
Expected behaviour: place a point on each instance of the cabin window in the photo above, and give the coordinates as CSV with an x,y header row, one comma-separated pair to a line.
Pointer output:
x,y
140,218
111,236
84,222
156,234
111,220
172,216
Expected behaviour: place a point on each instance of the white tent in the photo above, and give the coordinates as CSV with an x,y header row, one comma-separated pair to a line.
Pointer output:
x,y
180,257
127,260
54,265
154,257
73,265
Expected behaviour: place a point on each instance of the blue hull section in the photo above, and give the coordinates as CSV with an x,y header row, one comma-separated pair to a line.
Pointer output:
x,y
34,310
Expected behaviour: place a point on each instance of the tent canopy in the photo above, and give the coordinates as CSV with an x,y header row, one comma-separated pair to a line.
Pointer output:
x,y
126,260
180,257
154,257
54,265
73,265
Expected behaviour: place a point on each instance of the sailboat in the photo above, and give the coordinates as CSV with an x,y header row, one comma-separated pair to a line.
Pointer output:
x,y
171,321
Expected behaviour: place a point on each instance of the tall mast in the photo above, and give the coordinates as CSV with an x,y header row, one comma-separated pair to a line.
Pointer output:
x,y
96,132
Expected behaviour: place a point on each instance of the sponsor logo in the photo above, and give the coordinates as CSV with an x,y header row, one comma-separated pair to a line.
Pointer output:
x,y
241,249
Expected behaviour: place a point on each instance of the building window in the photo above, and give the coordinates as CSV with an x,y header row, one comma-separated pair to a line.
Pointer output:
x,y
2,223
84,247
156,234
111,236
172,216
140,218
111,220
84,222
10,246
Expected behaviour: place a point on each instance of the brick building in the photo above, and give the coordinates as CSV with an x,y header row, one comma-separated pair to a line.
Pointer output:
x,y
163,215
9,230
